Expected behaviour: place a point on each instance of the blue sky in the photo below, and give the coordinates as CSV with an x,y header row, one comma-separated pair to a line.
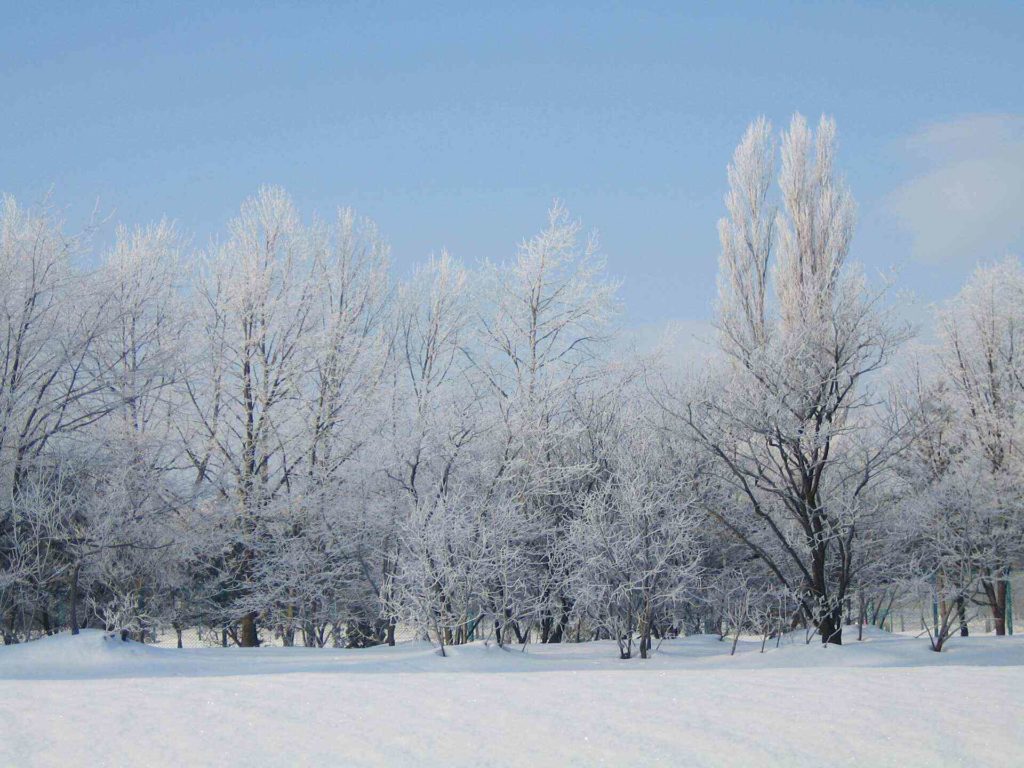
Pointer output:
x,y
455,125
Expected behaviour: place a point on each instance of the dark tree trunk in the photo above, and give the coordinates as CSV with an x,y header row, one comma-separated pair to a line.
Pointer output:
x,y
520,636
514,625
563,623
862,617
996,594
73,600
248,637
44,621
626,645
308,634
10,634
545,628
961,611
830,627
557,634
1000,606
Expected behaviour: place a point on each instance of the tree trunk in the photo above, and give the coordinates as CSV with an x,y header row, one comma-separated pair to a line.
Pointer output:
x,y
562,624
626,643
645,637
73,600
44,621
861,619
556,635
830,627
1000,606
961,610
510,622
645,629
10,634
288,629
995,591
248,638
308,634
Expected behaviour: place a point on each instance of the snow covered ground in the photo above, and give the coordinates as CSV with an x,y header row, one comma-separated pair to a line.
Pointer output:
x,y
887,701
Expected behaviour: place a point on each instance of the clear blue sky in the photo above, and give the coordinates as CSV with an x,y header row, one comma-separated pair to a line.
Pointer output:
x,y
455,126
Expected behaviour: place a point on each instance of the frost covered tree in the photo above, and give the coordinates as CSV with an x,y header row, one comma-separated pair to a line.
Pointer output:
x,y
541,345
293,317
982,370
62,371
253,314
270,437
487,468
632,552
316,573
428,445
789,419
136,456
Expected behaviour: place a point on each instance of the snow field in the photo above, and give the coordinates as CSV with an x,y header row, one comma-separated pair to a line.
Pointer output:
x,y
885,702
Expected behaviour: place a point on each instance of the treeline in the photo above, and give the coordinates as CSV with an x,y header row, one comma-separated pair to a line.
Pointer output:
x,y
273,438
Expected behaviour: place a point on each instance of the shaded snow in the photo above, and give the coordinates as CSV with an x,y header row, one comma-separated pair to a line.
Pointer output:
x,y
885,701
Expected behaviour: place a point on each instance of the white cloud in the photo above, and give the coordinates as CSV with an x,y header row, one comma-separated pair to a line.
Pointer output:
x,y
969,202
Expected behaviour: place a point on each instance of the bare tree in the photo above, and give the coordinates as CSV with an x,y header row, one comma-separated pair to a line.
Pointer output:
x,y
632,551
788,418
541,345
980,358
